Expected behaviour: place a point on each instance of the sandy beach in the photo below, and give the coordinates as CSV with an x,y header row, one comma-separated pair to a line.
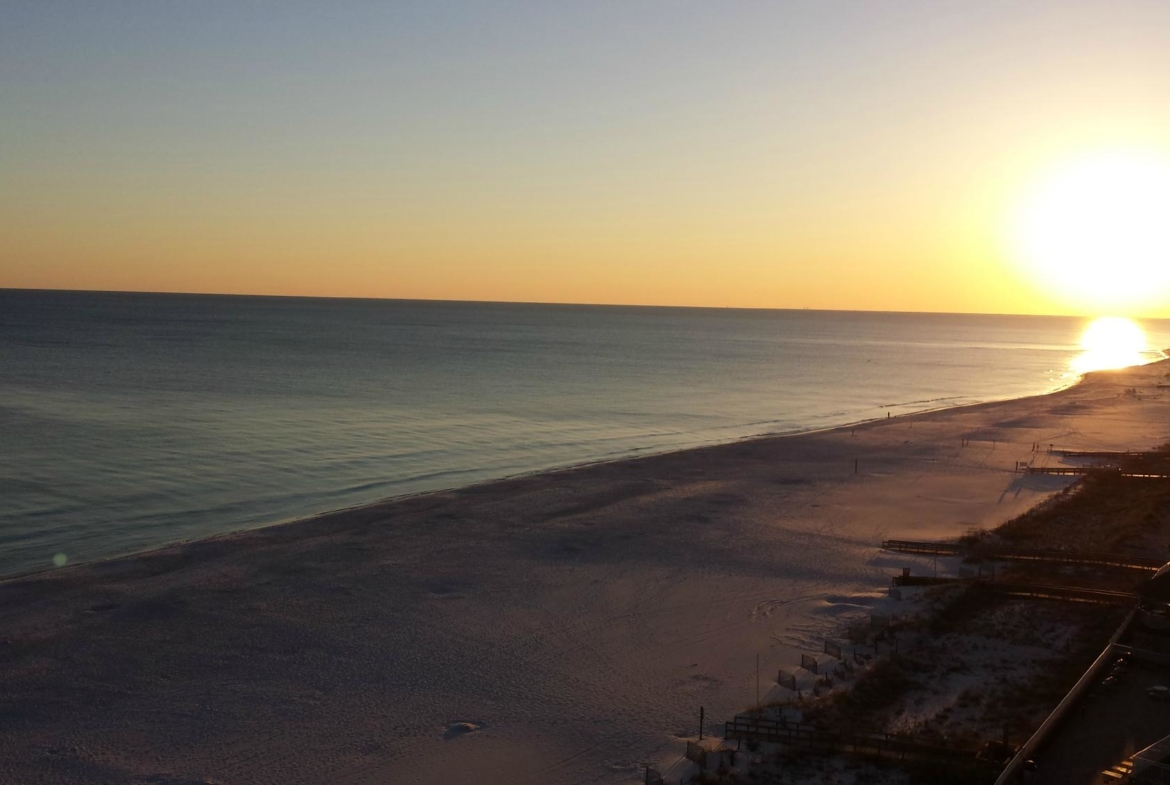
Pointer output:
x,y
562,627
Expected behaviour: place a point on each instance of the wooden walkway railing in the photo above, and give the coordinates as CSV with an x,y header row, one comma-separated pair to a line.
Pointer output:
x,y
928,548
1104,454
1033,590
1067,593
1023,554
1080,470
812,739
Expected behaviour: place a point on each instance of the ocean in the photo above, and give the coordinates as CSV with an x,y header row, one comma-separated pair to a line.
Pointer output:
x,y
129,421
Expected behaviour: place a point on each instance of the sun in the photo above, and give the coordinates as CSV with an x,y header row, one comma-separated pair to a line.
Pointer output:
x,y
1111,342
1096,231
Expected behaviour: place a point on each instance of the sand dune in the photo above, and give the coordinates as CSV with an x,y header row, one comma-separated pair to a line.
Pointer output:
x,y
563,627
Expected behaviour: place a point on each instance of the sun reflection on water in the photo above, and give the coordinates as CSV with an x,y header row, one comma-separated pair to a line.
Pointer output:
x,y
1111,342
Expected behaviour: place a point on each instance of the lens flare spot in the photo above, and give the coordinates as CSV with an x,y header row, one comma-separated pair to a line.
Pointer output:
x,y
60,559
1111,342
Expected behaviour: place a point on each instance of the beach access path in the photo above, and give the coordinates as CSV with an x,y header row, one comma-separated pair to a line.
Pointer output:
x,y
562,627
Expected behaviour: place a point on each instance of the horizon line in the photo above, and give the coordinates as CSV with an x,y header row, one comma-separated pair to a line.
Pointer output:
x,y
554,303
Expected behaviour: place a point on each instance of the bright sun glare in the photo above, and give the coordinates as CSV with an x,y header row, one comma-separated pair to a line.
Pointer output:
x,y
1098,231
1111,342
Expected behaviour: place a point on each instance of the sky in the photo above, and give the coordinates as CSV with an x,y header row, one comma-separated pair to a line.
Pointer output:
x,y
842,155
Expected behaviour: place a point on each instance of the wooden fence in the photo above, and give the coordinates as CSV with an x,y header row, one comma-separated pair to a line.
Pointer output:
x,y
786,680
811,739
696,753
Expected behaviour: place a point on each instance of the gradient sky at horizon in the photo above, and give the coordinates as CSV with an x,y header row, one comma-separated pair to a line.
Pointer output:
x,y
820,155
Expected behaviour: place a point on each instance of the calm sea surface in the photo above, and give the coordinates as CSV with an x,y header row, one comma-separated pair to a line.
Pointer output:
x,y
128,421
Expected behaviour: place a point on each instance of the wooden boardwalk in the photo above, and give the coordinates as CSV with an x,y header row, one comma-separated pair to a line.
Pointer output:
x,y
1063,469
1023,554
927,548
822,742
1065,593
1038,591
1080,470
1112,457
1115,454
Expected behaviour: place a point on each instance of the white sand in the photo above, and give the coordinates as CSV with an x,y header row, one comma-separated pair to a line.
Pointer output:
x,y
557,628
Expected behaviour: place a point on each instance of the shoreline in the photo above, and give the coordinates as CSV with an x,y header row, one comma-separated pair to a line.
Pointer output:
x,y
554,470
559,626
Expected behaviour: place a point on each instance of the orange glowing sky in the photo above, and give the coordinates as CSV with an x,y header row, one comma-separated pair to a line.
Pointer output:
x,y
827,155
